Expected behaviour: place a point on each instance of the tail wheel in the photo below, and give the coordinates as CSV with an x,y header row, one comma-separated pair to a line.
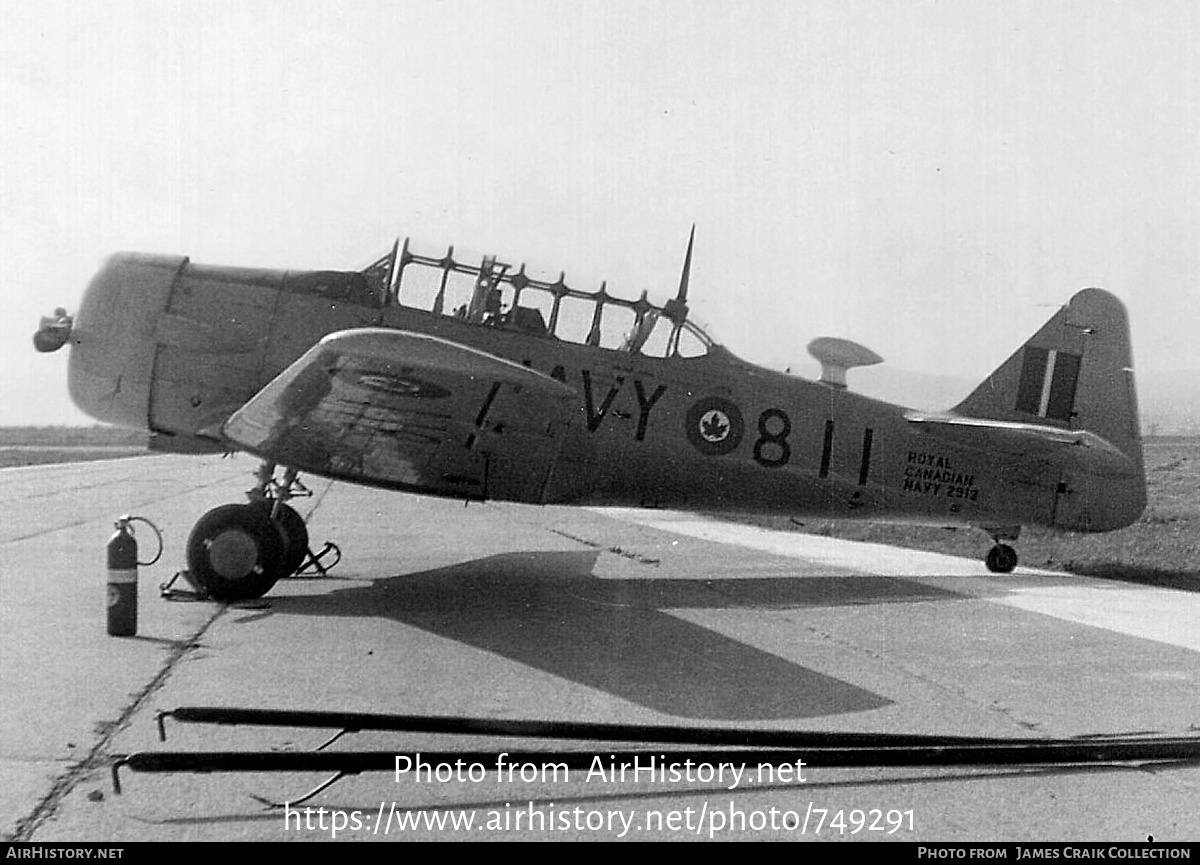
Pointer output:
x,y
236,553
294,532
1001,559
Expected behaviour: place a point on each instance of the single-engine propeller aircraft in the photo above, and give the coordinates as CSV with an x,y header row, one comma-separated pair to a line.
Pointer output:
x,y
433,375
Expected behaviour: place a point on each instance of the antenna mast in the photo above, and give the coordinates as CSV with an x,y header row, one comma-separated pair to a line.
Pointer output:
x,y
676,309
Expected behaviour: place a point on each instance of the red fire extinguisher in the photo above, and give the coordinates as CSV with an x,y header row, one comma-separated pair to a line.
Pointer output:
x,y
122,576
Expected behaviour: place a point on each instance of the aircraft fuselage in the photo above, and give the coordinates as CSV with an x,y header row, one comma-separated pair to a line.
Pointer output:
x,y
177,348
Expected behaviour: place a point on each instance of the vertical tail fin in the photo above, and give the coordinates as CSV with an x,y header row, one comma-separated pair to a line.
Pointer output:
x,y
1076,372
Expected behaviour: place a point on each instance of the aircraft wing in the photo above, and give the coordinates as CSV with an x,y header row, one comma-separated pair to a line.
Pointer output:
x,y
1026,439
411,411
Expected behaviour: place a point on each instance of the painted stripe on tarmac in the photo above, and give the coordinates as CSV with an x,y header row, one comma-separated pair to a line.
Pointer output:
x,y
1161,615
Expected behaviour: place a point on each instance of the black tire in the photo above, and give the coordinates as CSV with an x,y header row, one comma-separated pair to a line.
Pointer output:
x,y
1001,559
294,532
236,553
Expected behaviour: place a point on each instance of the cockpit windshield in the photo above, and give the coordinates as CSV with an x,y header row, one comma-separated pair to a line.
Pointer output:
x,y
492,294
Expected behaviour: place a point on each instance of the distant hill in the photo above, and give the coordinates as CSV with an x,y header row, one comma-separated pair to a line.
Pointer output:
x,y
912,389
96,435
1169,402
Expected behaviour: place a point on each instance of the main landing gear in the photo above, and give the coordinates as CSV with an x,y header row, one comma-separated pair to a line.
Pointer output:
x,y
238,552
1002,559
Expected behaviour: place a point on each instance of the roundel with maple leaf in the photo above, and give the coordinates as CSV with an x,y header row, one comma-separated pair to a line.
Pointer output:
x,y
715,426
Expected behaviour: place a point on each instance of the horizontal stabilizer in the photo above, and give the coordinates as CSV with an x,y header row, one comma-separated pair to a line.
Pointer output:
x,y
1088,450
410,411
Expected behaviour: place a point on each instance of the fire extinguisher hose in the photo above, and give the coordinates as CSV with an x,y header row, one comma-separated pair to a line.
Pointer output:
x,y
128,519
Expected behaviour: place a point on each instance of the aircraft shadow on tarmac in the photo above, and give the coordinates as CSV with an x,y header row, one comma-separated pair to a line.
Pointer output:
x,y
546,610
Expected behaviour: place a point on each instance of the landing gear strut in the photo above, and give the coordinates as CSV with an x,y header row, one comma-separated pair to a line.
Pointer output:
x,y
238,552
1001,559
295,533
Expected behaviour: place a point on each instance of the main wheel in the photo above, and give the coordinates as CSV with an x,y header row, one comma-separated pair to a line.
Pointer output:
x,y
1001,559
295,535
236,553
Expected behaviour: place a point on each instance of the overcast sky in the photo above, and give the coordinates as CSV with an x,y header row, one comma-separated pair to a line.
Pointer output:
x,y
930,179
